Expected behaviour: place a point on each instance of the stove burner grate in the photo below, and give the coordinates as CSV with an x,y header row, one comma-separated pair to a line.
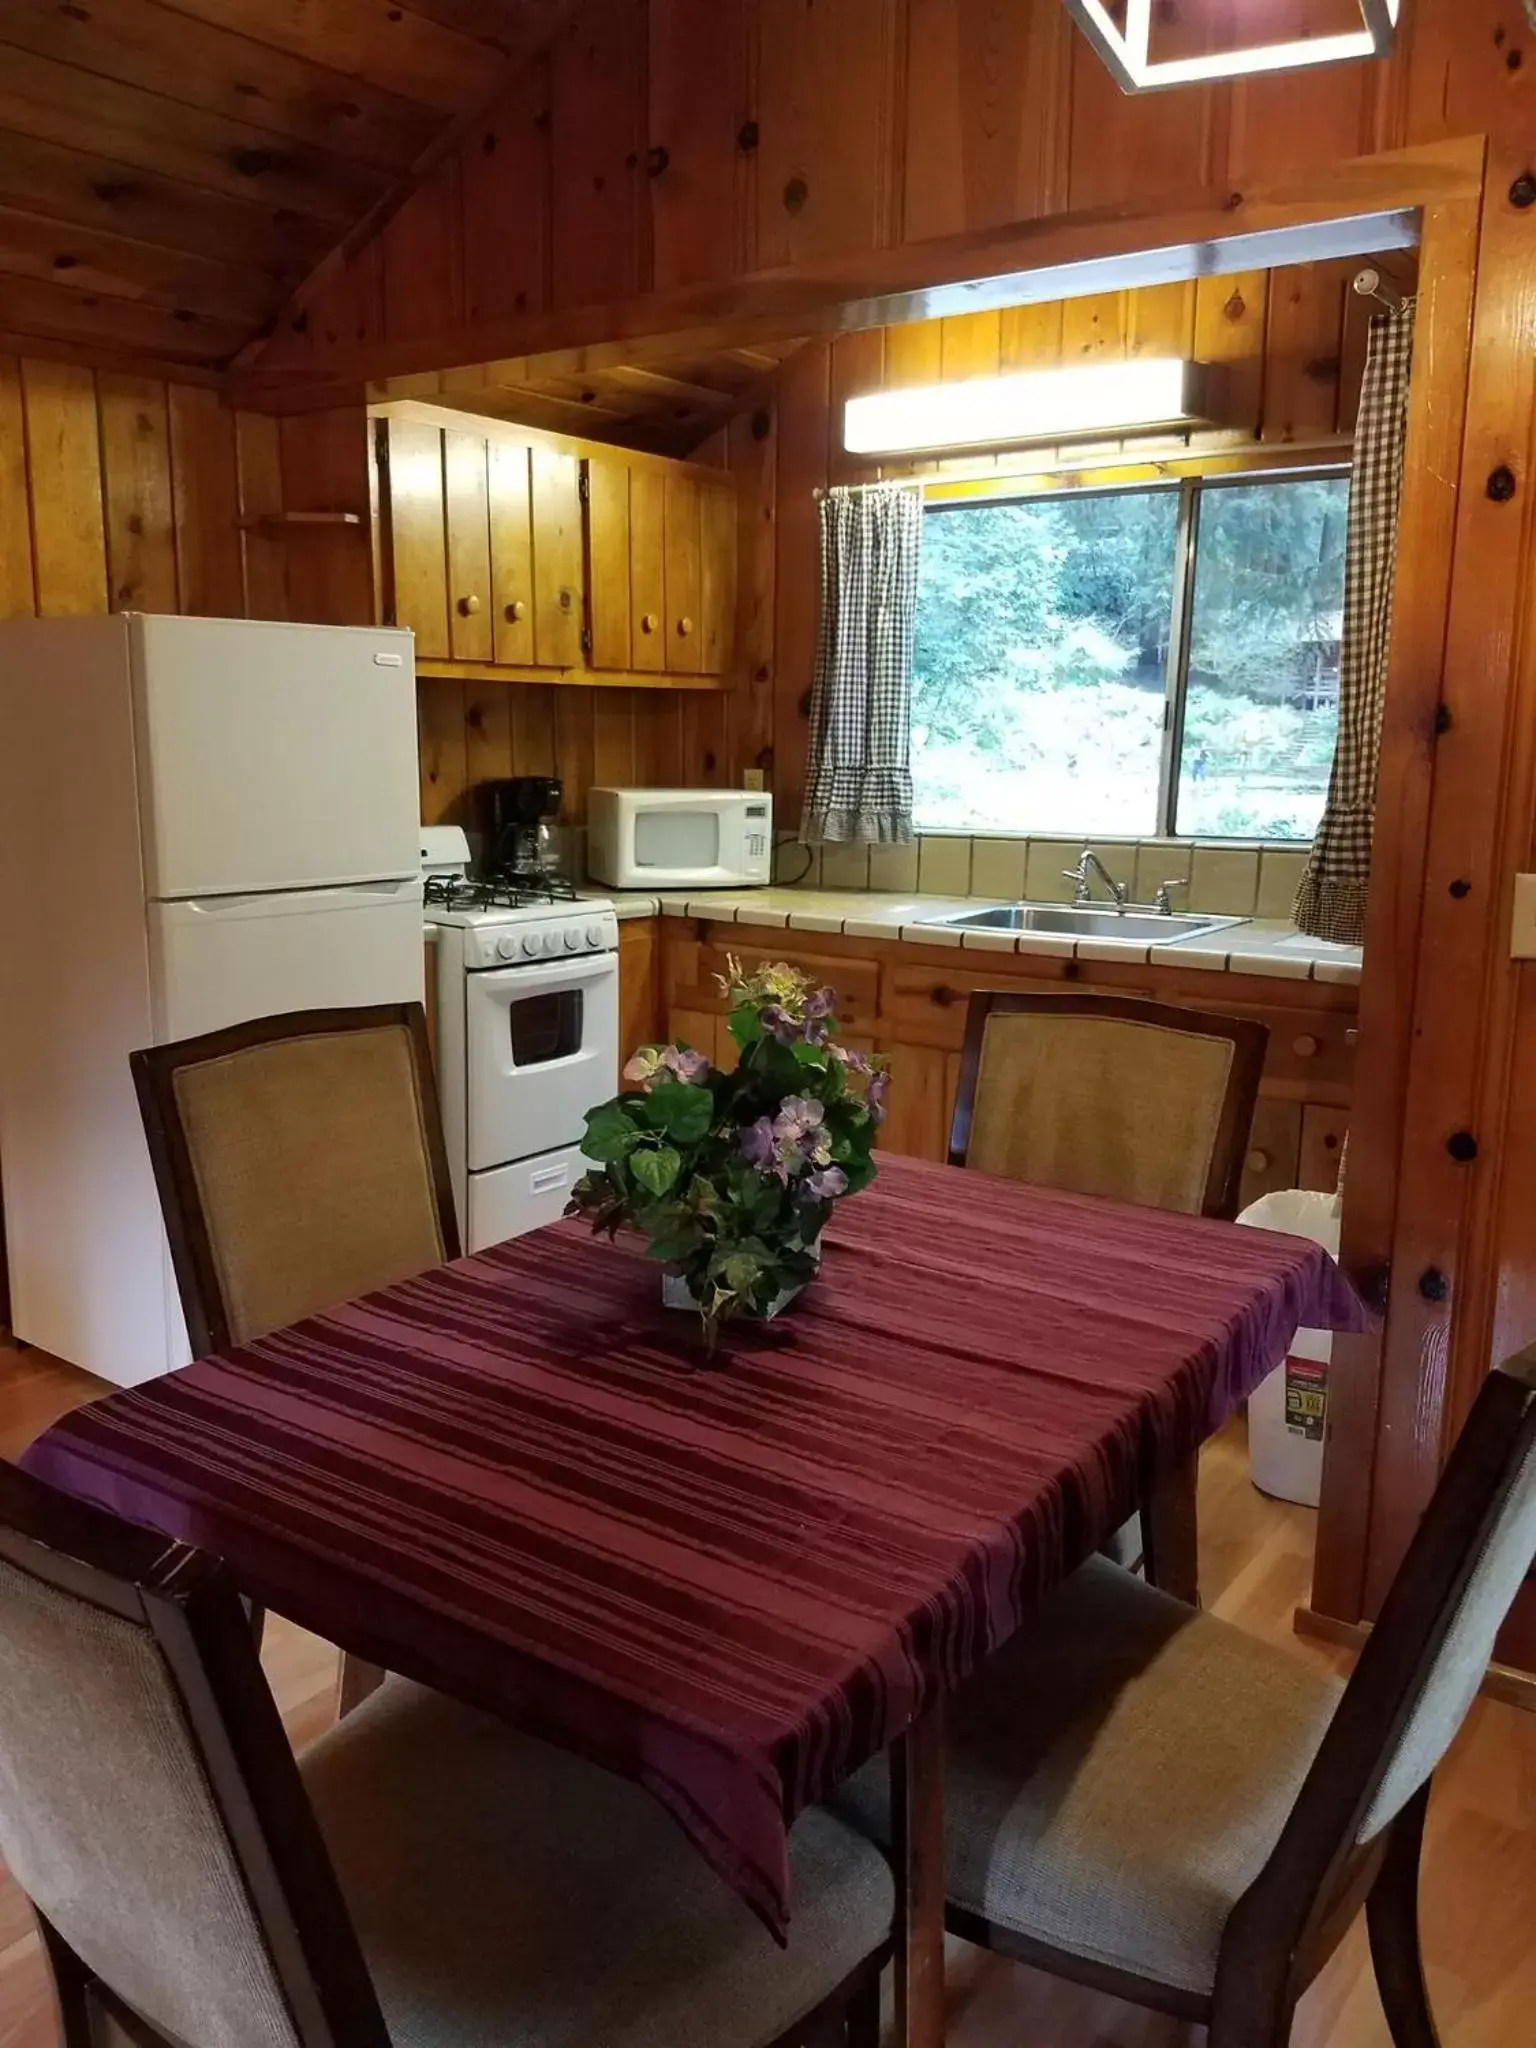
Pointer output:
x,y
508,889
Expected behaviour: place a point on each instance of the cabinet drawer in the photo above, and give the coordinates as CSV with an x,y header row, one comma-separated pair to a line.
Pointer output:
x,y
857,982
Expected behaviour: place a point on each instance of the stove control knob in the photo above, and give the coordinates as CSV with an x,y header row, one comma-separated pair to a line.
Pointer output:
x,y
572,938
531,943
506,946
551,942
594,935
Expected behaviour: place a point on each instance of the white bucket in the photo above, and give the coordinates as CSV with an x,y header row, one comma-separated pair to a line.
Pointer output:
x,y
1288,1411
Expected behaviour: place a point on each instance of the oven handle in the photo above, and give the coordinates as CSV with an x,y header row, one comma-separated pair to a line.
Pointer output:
x,y
557,974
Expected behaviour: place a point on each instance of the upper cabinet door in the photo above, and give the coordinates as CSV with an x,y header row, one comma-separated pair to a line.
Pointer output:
x,y
511,554
608,602
418,535
683,575
717,576
559,609
469,547
647,571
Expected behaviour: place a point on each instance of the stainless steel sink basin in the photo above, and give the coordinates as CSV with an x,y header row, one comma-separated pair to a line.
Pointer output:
x,y
1140,924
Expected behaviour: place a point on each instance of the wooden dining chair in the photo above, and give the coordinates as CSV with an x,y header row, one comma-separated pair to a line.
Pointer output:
x,y
422,1877
299,1162
1137,1101
1146,1800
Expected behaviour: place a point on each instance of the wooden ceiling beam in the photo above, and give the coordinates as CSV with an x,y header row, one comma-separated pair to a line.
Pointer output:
x,y
76,110
93,355
86,260
167,50
1354,207
50,312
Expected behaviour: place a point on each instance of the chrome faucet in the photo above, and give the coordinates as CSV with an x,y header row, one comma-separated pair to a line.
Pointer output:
x,y
1165,894
1089,866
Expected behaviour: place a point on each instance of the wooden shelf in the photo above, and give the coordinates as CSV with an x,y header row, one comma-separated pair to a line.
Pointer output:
x,y
287,522
585,678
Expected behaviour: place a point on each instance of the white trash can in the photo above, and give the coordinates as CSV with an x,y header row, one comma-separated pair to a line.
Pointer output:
x,y
1287,1412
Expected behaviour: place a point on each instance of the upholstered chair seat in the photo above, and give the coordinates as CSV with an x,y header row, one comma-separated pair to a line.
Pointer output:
x,y
504,1891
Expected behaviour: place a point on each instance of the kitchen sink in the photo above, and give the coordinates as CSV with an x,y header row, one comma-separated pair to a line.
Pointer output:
x,y
1140,923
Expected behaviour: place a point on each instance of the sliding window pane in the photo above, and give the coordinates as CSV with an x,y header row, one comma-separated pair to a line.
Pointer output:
x,y
1262,711
1042,660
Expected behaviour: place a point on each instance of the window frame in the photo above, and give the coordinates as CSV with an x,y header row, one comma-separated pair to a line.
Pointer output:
x,y
1191,489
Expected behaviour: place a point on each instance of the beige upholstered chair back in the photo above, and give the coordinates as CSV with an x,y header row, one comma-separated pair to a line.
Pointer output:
x,y
1450,1685
108,1824
299,1163
1133,1102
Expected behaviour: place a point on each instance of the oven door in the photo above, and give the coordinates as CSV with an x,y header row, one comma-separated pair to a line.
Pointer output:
x,y
542,1046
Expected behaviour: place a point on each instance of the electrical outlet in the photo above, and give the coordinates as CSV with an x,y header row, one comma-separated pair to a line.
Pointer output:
x,y
1522,931
753,779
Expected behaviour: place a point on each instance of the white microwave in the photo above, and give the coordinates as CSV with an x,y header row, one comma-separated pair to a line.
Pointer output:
x,y
679,838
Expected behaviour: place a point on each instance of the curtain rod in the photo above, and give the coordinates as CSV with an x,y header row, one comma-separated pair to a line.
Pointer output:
x,y
1370,284
892,483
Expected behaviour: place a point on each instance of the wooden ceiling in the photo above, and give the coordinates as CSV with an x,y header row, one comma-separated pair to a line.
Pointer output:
x,y
170,170
667,407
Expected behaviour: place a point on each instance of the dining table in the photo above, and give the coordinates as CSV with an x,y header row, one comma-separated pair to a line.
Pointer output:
x,y
732,1576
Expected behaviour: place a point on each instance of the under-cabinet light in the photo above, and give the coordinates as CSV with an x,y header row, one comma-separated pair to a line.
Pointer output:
x,y
1035,405
1128,50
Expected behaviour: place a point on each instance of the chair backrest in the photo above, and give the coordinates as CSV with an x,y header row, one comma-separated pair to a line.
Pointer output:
x,y
1142,1102
1422,1663
150,1806
300,1162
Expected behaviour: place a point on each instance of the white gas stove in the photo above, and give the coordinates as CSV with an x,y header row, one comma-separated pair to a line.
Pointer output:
x,y
527,1035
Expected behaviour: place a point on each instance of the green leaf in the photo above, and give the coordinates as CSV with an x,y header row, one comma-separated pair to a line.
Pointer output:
x,y
655,1170
685,1113
746,1027
807,1054
610,1134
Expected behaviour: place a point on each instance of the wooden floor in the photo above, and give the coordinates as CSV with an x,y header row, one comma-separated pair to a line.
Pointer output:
x,y
1480,1883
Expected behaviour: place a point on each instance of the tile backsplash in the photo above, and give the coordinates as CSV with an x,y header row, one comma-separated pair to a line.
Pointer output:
x,y
1224,879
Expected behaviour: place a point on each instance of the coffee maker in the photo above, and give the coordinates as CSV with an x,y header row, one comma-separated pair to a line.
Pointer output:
x,y
514,819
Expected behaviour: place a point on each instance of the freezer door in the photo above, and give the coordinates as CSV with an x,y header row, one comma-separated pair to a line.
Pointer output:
x,y
226,959
273,756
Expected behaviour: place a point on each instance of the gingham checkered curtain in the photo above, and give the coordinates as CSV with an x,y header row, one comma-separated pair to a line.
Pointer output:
x,y
858,774
1330,903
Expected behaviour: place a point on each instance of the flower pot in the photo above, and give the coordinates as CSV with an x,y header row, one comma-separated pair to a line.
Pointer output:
x,y
676,1293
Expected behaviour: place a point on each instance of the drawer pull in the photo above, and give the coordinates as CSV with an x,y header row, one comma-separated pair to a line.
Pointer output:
x,y
1305,1047
468,606
1257,1161
515,611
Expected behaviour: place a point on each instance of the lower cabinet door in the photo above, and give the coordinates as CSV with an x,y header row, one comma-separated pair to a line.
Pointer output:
x,y
509,1200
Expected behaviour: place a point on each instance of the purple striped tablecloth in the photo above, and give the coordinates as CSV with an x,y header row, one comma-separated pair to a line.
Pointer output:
x,y
510,1478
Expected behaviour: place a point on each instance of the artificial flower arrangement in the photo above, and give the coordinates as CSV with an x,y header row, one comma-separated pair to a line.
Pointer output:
x,y
732,1174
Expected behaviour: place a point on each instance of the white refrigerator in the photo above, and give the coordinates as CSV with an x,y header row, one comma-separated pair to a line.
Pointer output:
x,y
201,821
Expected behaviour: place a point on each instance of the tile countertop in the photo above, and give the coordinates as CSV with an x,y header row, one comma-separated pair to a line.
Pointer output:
x,y
1261,946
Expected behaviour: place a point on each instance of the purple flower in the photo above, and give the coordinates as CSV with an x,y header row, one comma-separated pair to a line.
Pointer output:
x,y
874,1095
760,1148
684,1064
820,1002
777,1021
798,1116
855,1062
825,1182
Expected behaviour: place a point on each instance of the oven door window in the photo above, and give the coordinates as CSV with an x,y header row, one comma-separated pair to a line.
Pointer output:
x,y
677,839
545,1027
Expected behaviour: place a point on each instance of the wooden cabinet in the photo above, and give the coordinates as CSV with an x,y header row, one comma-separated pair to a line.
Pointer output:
x,y
543,554
909,1002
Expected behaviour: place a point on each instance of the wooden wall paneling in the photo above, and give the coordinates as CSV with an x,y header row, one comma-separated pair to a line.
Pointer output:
x,y
707,757
827,164
64,472
608,593
136,480
1447,440
138,334
987,120
754,470
263,553
659,739
804,391
598,143
1160,321
647,570
1231,323
423,260
205,486
325,458
467,503
18,595
1323,1131
1303,346
1147,142
487,731
504,186
613,738
683,574
443,734
575,744
419,552
699,99
1292,123
559,611
533,728
511,540
1274,1148
351,310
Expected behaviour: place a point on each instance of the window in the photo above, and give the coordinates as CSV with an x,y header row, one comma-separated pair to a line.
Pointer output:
x,y
1135,662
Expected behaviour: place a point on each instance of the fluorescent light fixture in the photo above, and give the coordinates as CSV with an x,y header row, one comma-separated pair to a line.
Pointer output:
x,y
1128,51
1036,405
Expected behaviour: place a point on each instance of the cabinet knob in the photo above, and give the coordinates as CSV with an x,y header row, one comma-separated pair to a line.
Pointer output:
x,y
515,610
1305,1047
944,996
685,627
469,606
1257,1161
649,622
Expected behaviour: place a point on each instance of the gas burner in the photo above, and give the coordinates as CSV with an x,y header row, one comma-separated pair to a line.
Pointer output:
x,y
503,891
